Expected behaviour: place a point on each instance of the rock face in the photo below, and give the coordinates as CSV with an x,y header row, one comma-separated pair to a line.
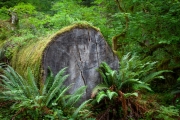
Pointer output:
x,y
81,50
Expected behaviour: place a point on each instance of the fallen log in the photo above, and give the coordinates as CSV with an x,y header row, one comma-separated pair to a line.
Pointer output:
x,y
79,47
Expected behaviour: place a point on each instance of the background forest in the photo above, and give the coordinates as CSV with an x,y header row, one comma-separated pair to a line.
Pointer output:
x,y
144,34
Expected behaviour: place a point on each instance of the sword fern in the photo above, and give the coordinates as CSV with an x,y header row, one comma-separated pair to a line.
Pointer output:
x,y
40,102
133,75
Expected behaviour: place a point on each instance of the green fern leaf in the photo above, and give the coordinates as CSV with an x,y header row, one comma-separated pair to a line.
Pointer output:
x,y
62,92
107,74
105,80
111,94
154,75
32,83
13,81
48,82
57,84
100,96
80,90
142,86
75,97
98,88
75,114
59,79
131,94
50,96
129,82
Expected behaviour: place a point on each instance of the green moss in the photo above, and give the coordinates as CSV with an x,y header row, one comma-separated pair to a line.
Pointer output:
x,y
2,43
30,55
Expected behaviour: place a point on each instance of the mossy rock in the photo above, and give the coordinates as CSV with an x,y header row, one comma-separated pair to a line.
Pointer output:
x,y
79,47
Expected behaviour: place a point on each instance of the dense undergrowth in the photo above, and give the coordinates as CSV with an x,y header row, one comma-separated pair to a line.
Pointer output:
x,y
124,94
150,29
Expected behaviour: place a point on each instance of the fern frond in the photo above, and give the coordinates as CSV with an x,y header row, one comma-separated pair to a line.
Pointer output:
x,y
80,90
129,82
32,83
50,96
111,94
6,84
111,75
50,79
48,82
100,96
106,70
154,75
142,86
75,97
107,74
12,95
126,57
105,80
13,81
62,93
147,67
98,88
126,95
79,108
12,77
58,82
105,66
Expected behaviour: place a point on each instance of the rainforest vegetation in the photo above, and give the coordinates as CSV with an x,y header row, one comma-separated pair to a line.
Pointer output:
x,y
144,34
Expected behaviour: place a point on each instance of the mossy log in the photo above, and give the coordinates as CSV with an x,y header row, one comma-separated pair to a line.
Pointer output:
x,y
80,47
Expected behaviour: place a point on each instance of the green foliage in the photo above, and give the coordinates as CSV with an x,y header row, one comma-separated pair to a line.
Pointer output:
x,y
3,13
176,94
133,74
100,96
51,100
153,29
167,113
130,77
109,94
152,32
23,9
5,30
121,88
66,12
138,69
131,94
34,24
109,76
176,88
